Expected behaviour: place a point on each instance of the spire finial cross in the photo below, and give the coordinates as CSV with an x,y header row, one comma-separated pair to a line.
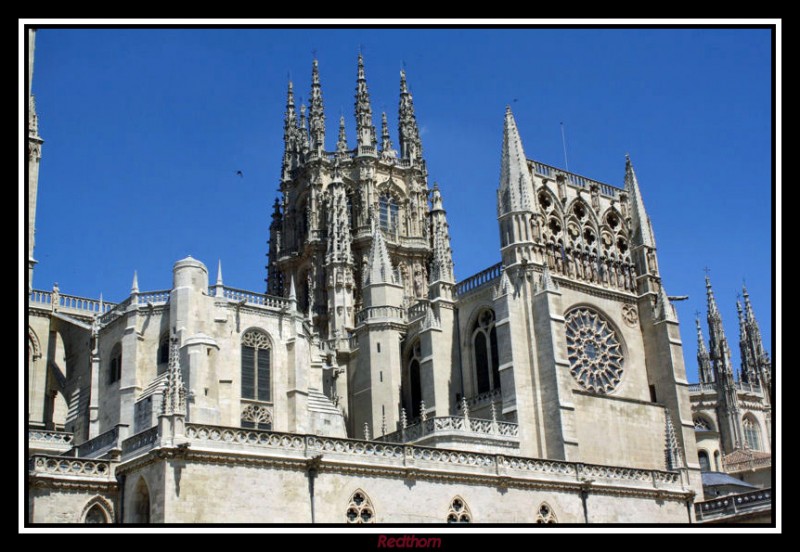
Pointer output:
x,y
697,314
707,270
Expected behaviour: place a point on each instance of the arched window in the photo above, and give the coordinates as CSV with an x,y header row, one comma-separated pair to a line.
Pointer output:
x,y
701,424
545,514
389,212
162,360
95,515
484,343
141,502
256,375
459,511
360,509
705,465
414,394
115,364
752,435
97,510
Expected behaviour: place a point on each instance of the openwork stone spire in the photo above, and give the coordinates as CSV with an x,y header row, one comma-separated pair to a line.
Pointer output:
x,y
291,136
410,143
442,262
175,393
379,269
341,144
640,221
703,360
516,184
316,113
755,345
365,130
386,142
748,370
718,344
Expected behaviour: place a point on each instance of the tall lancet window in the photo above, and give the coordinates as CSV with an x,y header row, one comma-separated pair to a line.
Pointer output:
x,y
751,433
389,213
256,366
486,358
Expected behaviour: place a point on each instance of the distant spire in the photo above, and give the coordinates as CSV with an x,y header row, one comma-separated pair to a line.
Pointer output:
x,y
516,184
379,268
642,229
174,402
341,145
290,136
365,130
718,344
410,143
290,117
386,141
303,129
135,284
748,369
316,113
703,361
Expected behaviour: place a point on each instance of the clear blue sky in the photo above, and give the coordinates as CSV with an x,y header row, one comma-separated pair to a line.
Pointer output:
x,y
144,130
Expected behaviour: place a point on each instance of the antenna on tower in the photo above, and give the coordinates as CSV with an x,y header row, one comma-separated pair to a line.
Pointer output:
x,y
564,144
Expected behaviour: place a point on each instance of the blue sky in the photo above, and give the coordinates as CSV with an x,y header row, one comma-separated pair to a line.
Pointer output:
x,y
144,130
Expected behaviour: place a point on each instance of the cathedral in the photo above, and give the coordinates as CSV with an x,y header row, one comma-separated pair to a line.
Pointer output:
x,y
366,385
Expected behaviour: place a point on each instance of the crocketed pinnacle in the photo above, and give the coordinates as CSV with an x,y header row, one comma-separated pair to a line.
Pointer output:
x,y
516,184
642,229
365,130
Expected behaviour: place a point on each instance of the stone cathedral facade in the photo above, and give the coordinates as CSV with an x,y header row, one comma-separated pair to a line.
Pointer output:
x,y
367,385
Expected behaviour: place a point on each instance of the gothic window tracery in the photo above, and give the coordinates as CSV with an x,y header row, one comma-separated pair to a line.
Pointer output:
x,y
752,435
459,511
545,514
701,424
360,509
256,369
485,351
389,213
594,351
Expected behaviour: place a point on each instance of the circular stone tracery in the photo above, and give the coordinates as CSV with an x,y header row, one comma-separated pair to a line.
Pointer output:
x,y
594,351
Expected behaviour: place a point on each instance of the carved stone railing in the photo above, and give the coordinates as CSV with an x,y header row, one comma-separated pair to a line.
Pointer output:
x,y
417,310
76,467
210,434
251,298
51,441
748,387
482,399
731,505
367,150
384,453
118,310
577,180
106,440
146,438
371,313
154,297
468,426
747,465
43,298
480,279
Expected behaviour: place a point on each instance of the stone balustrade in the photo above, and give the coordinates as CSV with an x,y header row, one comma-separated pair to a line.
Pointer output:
x,y
371,313
417,310
480,279
71,467
144,439
153,297
577,180
726,506
468,426
41,298
251,298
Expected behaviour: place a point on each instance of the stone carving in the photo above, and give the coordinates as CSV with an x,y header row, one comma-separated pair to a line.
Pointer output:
x,y
593,350
630,315
545,514
459,511
360,509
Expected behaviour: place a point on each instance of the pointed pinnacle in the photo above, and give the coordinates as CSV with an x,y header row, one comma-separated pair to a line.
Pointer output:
x,y
135,284
219,272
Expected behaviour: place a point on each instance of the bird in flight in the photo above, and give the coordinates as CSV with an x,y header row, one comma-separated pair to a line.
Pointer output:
x,y
240,174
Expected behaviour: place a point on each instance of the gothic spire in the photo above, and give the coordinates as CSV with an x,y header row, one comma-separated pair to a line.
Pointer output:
x,y
341,145
379,267
410,143
316,112
135,283
386,141
303,129
747,370
703,361
290,117
516,184
365,130
760,364
719,353
174,401
442,262
642,229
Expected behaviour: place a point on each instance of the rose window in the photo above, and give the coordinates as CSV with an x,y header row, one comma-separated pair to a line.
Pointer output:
x,y
594,351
